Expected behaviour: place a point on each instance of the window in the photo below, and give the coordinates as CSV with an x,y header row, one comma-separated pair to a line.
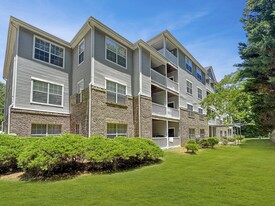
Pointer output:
x,y
114,130
207,93
191,133
190,110
115,52
199,75
45,129
200,111
171,132
77,129
80,87
116,93
189,87
48,52
188,64
199,94
47,93
81,48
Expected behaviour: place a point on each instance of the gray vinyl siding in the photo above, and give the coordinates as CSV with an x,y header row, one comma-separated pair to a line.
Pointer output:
x,y
25,50
82,71
186,98
8,95
181,60
135,76
146,73
107,69
26,69
100,54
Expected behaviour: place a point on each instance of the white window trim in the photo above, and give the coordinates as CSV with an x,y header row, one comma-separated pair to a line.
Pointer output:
x,y
33,52
83,41
116,54
117,134
191,88
49,82
201,93
197,68
116,81
47,130
188,64
190,105
80,81
201,109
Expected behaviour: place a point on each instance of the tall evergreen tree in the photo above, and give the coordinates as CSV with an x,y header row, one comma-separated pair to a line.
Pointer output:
x,y
258,55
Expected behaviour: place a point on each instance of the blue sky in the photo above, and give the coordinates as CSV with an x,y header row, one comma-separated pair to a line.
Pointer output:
x,y
210,30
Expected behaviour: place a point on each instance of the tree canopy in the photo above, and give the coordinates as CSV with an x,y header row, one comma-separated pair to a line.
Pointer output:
x,y
258,55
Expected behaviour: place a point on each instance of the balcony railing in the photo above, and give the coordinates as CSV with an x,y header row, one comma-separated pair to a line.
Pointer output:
x,y
161,110
164,81
172,85
169,56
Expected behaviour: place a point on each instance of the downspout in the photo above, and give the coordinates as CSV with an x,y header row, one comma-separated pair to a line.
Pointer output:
x,y
92,78
9,117
140,89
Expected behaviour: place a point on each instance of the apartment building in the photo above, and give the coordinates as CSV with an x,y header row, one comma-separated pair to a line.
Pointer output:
x,y
102,84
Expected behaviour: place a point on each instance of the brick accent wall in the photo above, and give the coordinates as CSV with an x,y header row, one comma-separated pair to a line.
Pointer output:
x,y
145,115
80,113
21,121
195,122
104,112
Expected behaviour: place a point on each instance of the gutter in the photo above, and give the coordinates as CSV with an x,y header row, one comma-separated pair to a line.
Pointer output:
x,y
9,118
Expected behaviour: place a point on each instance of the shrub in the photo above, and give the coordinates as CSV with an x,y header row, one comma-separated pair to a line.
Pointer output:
x,y
212,141
240,137
10,148
224,141
231,139
204,143
192,147
74,153
191,141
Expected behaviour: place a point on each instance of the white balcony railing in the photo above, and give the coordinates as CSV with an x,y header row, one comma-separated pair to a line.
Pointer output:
x,y
158,77
169,56
161,110
164,81
172,85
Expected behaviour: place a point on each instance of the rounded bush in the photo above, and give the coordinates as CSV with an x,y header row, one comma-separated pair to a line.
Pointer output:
x,y
192,147
191,141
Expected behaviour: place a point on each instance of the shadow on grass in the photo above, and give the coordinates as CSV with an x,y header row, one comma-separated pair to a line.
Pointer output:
x,y
85,169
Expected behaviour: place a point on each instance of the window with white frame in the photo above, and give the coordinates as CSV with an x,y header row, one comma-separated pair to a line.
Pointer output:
x,y
77,128
198,73
114,130
190,109
188,64
80,88
200,111
115,52
191,133
189,87
116,93
81,48
47,93
48,52
199,94
45,129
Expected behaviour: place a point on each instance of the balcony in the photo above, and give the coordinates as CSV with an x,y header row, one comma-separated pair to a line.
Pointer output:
x,y
164,81
161,110
169,56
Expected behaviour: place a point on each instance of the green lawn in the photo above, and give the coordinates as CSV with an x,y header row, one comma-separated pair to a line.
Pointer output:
x,y
228,175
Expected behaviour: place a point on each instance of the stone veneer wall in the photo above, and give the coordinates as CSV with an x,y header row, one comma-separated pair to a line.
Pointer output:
x,y
21,121
219,129
104,112
80,113
146,116
187,122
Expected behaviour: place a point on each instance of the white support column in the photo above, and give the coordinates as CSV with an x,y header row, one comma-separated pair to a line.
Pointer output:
x,y
167,133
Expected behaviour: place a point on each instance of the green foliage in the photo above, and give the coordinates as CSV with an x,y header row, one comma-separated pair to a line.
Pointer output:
x,y
191,141
192,147
258,67
224,141
74,153
239,138
231,139
209,142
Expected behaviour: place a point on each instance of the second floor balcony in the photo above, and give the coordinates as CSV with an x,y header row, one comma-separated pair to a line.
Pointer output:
x,y
173,59
164,81
163,111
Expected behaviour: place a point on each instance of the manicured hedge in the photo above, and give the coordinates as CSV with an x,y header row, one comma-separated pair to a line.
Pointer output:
x,y
74,153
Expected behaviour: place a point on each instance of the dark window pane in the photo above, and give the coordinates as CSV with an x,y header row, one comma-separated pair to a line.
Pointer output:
x,y
80,58
56,61
111,56
55,99
121,61
111,97
41,55
39,97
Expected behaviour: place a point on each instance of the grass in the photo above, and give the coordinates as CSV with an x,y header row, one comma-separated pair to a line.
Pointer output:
x,y
227,175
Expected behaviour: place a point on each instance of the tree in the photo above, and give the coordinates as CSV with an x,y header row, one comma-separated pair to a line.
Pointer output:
x,y
2,100
258,54
229,101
